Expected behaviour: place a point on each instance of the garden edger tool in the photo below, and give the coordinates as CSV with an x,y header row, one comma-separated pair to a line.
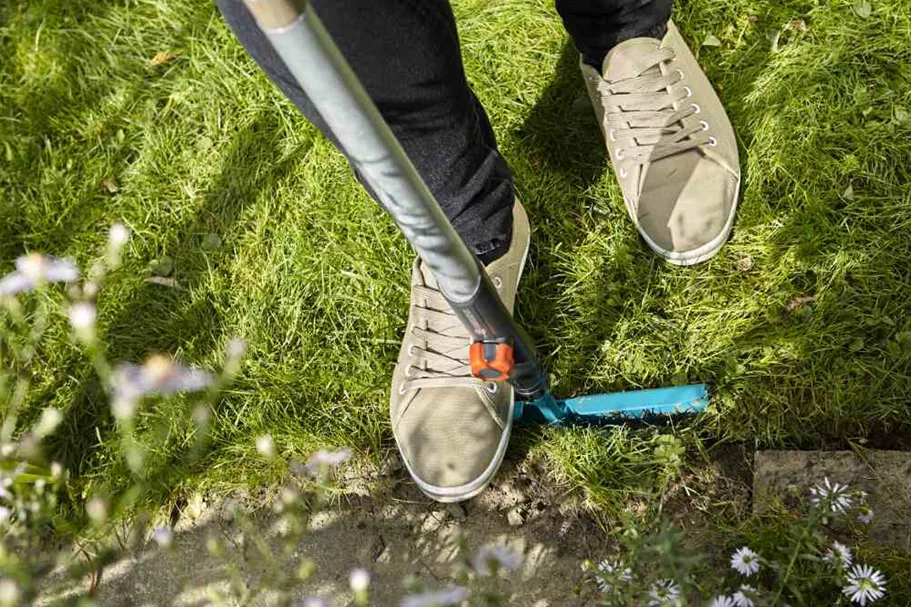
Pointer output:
x,y
500,349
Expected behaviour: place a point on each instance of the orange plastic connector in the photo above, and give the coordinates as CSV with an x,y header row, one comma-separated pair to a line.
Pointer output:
x,y
491,361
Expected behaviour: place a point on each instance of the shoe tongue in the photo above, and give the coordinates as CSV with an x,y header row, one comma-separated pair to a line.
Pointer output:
x,y
629,59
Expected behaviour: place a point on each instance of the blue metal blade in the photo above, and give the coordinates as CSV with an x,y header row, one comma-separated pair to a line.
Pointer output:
x,y
634,404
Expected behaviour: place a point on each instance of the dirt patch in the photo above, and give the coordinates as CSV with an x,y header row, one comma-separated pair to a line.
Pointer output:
x,y
395,534
884,475
384,524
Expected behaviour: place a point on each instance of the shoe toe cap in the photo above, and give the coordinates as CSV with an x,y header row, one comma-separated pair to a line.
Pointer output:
x,y
448,438
686,203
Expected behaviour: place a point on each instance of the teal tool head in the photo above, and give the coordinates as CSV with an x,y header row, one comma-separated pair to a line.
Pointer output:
x,y
636,405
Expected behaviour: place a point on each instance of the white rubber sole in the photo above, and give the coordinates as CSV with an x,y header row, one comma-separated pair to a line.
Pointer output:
x,y
460,493
700,254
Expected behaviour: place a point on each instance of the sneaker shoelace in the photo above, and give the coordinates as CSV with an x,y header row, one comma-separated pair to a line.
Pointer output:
x,y
647,113
438,354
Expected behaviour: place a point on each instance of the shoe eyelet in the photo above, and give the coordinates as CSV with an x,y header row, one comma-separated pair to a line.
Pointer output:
x,y
680,73
705,125
408,370
611,135
713,142
402,388
491,387
410,350
623,173
497,282
696,107
620,154
689,91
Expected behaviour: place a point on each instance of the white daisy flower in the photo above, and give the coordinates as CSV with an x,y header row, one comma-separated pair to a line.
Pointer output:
x,y
314,601
663,592
236,348
41,268
324,459
611,573
35,269
865,515
359,580
158,375
97,509
744,596
118,235
48,422
9,592
82,315
7,478
124,408
439,598
831,497
839,555
163,536
14,283
265,444
865,585
745,562
722,601
495,558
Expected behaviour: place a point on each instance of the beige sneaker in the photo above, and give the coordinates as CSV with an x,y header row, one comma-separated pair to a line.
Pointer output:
x,y
670,143
452,428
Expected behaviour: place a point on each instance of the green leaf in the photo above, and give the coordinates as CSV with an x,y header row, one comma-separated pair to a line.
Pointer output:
x,y
863,8
849,193
711,40
904,339
211,242
162,266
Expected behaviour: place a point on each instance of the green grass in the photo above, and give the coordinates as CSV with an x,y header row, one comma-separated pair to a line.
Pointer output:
x,y
315,277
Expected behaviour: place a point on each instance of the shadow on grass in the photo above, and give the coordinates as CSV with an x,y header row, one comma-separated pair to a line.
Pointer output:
x,y
561,134
786,377
69,117
189,321
558,154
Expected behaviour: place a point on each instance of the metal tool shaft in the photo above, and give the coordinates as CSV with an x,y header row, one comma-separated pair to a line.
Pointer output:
x,y
307,49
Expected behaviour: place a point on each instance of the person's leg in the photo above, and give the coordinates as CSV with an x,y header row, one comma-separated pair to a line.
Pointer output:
x,y
406,53
596,26
451,428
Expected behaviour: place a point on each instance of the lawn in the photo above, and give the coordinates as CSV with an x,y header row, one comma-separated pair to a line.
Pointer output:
x,y
149,112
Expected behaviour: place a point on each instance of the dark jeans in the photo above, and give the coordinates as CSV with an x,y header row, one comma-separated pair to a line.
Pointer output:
x,y
406,53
